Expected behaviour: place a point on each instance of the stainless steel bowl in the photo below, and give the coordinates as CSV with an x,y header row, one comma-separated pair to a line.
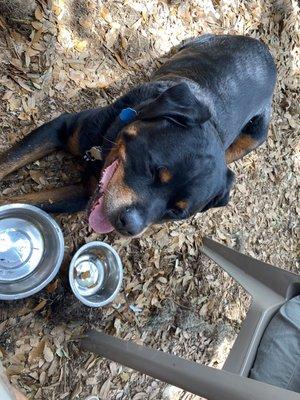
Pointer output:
x,y
31,250
96,274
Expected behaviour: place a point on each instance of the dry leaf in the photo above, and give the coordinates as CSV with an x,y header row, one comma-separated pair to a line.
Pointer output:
x,y
40,306
103,394
23,84
7,95
117,325
140,396
8,191
125,376
37,25
77,390
56,9
37,352
38,14
52,287
104,13
35,175
86,23
48,354
81,45
42,377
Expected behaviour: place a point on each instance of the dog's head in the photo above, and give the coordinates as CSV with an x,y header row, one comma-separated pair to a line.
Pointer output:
x,y
168,164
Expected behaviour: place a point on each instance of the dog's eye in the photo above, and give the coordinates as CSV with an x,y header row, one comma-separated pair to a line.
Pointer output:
x,y
160,174
176,213
153,171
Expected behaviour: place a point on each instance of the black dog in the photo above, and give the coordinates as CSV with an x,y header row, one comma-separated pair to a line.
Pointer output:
x,y
164,145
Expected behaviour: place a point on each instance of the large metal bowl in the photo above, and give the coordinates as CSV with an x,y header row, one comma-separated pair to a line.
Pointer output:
x,y
31,250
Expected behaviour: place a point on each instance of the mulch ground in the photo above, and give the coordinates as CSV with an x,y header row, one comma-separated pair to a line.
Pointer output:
x,y
68,55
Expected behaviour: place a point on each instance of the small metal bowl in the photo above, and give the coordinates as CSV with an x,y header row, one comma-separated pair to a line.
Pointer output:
x,y
31,250
96,274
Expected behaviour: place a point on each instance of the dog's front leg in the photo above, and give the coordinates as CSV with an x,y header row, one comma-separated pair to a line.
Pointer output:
x,y
75,133
56,134
37,144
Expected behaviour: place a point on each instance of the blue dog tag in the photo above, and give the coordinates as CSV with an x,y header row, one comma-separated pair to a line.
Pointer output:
x,y
127,114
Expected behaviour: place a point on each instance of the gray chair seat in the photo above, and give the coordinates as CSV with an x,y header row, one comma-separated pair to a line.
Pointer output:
x,y
277,360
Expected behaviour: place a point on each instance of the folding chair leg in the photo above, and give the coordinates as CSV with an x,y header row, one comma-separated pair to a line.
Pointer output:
x,y
264,282
188,375
243,352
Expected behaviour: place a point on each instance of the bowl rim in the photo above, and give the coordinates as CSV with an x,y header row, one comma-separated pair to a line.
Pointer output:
x,y
61,245
84,300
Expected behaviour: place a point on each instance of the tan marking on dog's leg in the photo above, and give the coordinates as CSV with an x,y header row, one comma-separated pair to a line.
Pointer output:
x,y
37,144
73,144
240,147
23,153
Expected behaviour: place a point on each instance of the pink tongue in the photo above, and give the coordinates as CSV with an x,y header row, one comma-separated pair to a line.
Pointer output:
x,y
98,221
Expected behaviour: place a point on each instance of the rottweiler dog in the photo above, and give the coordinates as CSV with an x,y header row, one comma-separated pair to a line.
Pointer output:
x,y
160,152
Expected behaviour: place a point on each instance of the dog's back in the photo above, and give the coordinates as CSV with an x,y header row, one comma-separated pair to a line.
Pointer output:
x,y
235,73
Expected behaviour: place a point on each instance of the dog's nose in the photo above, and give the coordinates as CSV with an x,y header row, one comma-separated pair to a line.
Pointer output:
x,y
129,221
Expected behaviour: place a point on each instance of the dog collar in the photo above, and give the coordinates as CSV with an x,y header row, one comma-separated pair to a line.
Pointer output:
x,y
127,114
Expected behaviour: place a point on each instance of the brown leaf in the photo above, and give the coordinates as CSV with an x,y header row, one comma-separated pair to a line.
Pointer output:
x,y
7,191
40,305
51,288
35,175
23,84
104,13
38,14
37,352
56,9
86,23
37,25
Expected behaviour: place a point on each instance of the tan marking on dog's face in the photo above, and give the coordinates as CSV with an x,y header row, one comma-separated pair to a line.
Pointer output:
x,y
182,204
122,151
118,194
240,147
117,152
165,175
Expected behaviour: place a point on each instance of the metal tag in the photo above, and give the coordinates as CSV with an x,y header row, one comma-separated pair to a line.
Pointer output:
x,y
93,154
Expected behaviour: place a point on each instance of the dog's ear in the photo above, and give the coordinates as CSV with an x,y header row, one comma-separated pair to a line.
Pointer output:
x,y
177,104
222,198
